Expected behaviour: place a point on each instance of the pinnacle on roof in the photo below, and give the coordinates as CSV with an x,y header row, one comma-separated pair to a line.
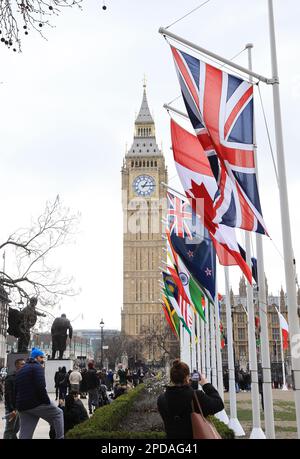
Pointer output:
x,y
144,115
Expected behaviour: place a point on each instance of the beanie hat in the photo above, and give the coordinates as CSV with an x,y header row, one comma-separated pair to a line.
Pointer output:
x,y
36,353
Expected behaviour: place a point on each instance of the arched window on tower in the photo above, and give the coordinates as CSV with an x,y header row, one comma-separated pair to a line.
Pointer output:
x,y
147,163
151,163
155,163
143,163
132,163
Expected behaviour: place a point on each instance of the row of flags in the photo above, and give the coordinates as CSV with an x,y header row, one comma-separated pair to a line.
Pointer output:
x,y
216,167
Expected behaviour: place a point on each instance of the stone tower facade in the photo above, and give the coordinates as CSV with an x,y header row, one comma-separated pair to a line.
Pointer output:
x,y
144,203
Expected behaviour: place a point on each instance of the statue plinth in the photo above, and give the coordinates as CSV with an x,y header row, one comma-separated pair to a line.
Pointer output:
x,y
12,357
51,367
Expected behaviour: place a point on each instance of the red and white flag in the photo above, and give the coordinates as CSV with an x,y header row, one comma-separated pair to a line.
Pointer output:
x,y
284,330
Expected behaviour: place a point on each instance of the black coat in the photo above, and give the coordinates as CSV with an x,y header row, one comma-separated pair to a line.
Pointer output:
x,y
10,392
74,415
31,386
175,407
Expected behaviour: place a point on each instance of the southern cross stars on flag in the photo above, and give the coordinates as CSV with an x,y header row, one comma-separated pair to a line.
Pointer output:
x,y
179,216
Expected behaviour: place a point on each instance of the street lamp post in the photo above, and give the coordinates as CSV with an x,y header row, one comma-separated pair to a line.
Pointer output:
x,y
101,344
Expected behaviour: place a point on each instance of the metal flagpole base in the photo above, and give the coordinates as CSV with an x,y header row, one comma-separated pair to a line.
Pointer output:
x,y
257,433
235,425
222,416
284,387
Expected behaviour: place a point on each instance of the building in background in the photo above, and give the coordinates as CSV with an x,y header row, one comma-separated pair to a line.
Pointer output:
x,y
240,329
4,306
144,202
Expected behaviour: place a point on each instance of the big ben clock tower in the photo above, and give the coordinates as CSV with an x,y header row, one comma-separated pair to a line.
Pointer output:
x,y
143,198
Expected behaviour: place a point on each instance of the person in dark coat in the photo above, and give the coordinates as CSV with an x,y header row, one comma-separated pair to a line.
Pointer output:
x,y
12,424
175,404
32,401
73,410
92,383
56,381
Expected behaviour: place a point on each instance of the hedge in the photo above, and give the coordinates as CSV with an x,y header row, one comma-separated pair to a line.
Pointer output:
x,y
107,418
105,422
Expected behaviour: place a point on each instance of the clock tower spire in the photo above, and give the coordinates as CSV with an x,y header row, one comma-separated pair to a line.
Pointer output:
x,y
143,172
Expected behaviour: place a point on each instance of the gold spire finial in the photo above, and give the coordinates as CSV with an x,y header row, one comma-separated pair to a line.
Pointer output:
x,y
144,81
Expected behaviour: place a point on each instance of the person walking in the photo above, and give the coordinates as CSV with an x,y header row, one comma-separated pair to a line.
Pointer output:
x,y
32,401
12,424
74,379
175,404
92,384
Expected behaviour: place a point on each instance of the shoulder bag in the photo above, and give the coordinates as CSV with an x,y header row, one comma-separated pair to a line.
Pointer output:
x,y
202,428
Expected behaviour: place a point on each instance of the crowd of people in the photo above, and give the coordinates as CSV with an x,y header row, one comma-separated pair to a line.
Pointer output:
x,y
26,398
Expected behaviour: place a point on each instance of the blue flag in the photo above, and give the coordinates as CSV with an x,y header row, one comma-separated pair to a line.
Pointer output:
x,y
200,259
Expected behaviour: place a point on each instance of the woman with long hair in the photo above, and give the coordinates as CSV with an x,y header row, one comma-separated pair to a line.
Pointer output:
x,y
175,404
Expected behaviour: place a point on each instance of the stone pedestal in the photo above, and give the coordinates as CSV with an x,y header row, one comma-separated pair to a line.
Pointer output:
x,y
12,357
51,367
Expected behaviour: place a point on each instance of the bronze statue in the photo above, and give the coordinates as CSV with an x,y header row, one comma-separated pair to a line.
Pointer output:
x,y
20,323
59,335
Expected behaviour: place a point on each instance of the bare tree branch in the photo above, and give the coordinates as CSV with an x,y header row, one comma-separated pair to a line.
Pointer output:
x,y
26,15
27,269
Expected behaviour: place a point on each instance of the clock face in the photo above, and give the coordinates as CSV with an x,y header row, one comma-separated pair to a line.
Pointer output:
x,y
144,185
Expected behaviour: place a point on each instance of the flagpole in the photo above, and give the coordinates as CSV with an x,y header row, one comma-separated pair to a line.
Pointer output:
x,y
284,386
207,343
193,342
289,261
234,423
213,346
192,45
202,334
181,341
262,307
257,431
218,351
199,367
221,415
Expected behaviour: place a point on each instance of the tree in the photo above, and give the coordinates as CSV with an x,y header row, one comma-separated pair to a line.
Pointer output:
x,y
27,256
16,15
117,345
160,336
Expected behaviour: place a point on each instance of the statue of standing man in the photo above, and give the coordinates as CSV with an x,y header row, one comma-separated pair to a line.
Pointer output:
x,y
20,323
59,335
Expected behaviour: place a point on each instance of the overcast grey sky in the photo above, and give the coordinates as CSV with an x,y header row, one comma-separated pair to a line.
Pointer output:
x,y
68,106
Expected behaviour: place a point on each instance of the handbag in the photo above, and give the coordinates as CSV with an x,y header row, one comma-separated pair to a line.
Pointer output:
x,y
202,428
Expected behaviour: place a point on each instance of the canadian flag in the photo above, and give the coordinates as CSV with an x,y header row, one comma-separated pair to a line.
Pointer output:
x,y
284,330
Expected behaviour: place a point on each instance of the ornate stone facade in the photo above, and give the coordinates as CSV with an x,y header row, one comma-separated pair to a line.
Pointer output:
x,y
240,327
144,202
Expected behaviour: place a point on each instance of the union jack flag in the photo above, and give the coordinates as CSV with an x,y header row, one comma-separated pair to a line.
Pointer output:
x,y
180,216
220,108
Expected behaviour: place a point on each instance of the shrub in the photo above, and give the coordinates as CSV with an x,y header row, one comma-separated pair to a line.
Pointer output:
x,y
105,422
223,429
107,418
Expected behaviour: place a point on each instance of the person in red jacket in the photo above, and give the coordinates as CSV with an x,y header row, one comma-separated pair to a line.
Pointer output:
x,y
175,404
